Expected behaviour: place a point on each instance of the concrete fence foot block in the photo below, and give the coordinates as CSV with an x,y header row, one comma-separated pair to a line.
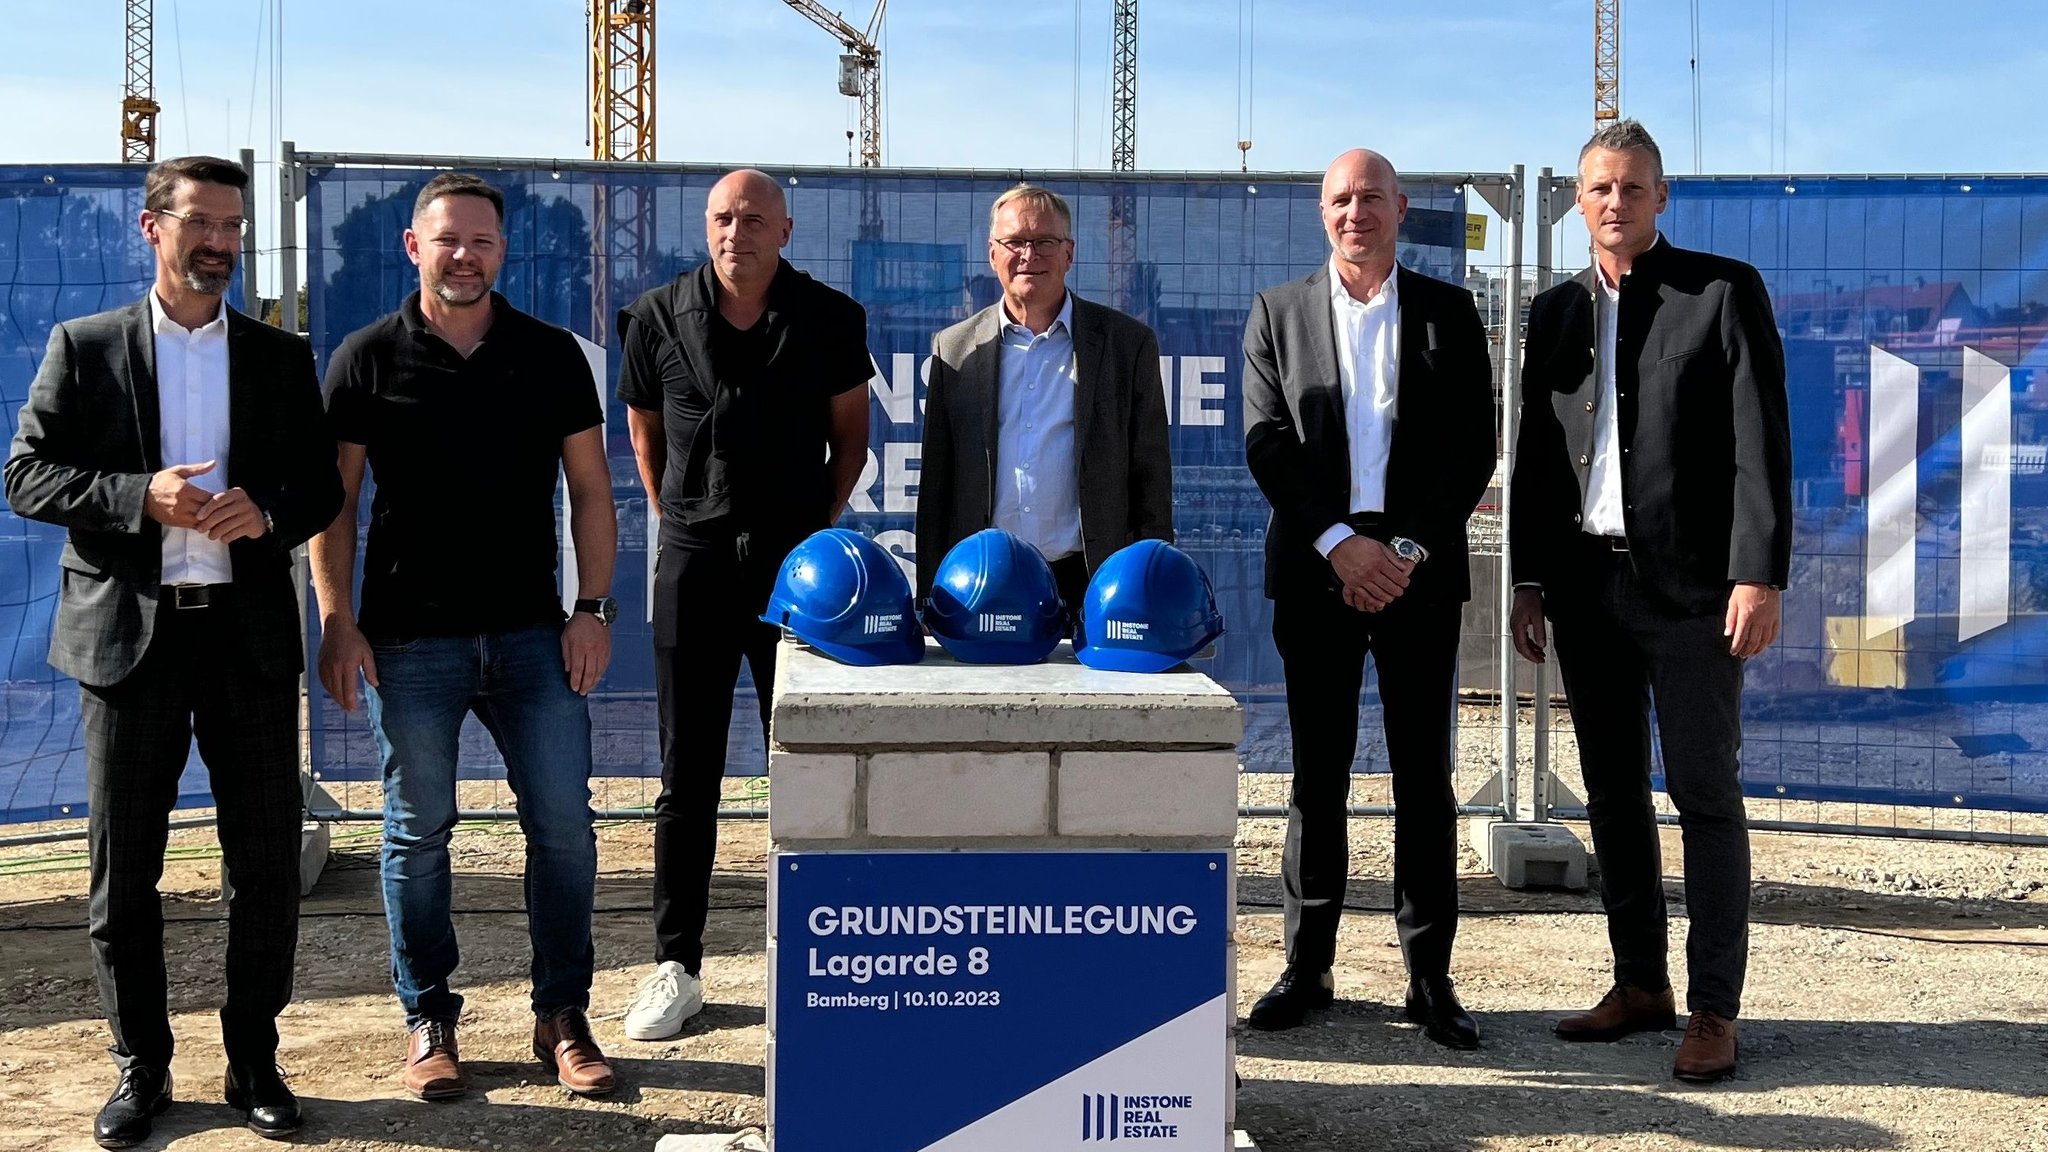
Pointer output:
x,y
749,1141
1531,855
1241,1141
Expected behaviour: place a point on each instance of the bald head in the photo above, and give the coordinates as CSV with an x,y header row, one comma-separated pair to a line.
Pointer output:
x,y
746,224
754,185
1362,213
1361,163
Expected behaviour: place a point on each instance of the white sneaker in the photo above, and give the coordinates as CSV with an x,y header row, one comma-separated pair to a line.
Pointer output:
x,y
664,1002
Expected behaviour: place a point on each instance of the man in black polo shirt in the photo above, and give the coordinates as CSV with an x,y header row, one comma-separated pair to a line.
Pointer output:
x,y
467,411
739,378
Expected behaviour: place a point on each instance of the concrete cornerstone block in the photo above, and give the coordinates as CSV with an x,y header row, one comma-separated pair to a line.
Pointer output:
x,y
748,1141
957,794
811,795
1532,855
1148,794
821,704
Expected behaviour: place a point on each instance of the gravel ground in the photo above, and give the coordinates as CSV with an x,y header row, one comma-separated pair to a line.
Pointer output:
x,y
1898,999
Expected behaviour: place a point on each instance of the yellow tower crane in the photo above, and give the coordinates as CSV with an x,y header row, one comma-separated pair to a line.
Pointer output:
x,y
1606,62
138,91
622,79
621,83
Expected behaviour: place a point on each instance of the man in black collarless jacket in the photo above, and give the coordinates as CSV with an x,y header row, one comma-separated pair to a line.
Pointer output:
x,y
1651,520
1369,426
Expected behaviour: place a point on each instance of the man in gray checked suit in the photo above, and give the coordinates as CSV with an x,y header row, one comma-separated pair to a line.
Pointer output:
x,y
182,446
1044,414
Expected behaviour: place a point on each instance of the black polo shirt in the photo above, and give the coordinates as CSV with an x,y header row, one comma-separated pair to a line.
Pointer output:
x,y
466,454
747,415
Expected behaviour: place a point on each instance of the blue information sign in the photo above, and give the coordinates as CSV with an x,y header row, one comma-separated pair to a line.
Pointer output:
x,y
996,1001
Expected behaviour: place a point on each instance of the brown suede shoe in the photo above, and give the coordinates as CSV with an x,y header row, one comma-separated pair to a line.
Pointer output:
x,y
1708,1052
1625,1009
563,1043
433,1067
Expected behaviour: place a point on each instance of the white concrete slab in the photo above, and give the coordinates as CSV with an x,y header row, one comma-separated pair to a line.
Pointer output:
x,y
821,704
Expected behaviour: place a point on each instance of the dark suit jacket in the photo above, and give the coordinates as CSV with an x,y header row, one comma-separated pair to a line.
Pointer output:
x,y
1299,448
1700,399
1126,471
87,446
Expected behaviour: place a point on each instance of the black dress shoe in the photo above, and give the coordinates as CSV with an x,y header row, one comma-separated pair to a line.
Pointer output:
x,y
143,1093
260,1092
1432,1004
1296,992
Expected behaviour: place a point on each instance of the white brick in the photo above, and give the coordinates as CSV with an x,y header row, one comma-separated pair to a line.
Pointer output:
x,y
811,795
1148,794
958,793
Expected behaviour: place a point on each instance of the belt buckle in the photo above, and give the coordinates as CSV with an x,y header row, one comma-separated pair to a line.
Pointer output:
x,y
1616,543
180,600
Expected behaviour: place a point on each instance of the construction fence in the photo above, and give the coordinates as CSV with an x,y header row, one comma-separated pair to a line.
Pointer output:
x,y
1914,664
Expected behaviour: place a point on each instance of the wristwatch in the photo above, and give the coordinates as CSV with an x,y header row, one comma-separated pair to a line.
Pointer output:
x,y
604,608
1408,549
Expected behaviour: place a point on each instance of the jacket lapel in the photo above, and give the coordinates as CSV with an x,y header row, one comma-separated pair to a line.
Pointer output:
x,y
245,401
1322,392
1091,351
981,377
142,382
1418,337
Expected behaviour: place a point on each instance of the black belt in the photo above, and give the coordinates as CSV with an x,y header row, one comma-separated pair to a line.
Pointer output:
x,y
1606,543
197,595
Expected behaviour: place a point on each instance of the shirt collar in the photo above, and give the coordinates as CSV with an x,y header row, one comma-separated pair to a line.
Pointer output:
x,y
161,323
1064,320
1389,293
415,321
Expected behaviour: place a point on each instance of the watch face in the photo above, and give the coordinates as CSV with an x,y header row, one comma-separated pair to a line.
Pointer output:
x,y
1407,549
607,610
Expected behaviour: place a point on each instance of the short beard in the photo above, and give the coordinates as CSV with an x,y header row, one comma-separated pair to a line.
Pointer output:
x,y
209,283
449,294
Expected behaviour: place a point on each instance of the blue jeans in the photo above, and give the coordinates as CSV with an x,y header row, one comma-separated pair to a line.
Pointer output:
x,y
516,685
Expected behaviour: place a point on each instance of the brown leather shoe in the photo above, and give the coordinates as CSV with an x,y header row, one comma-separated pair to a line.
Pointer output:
x,y
433,1067
1708,1052
1625,1009
563,1043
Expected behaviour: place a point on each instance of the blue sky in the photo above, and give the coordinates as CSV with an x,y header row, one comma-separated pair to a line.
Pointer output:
x,y
1874,85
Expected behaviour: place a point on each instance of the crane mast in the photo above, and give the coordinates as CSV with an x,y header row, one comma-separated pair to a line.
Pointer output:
x,y
1606,62
138,89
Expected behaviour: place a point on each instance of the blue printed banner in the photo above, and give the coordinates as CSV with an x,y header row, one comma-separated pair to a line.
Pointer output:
x,y
988,1001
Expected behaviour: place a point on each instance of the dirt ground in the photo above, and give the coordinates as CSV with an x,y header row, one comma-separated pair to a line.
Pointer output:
x,y
1898,999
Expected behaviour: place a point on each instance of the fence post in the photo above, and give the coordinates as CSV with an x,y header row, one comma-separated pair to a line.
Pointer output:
x,y
1510,374
287,237
252,296
1539,775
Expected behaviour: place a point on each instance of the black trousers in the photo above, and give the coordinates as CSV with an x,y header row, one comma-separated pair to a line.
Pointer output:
x,y
1620,646
1323,647
195,681
715,596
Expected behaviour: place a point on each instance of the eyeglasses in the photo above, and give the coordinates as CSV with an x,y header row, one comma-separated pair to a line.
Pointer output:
x,y
1022,245
206,225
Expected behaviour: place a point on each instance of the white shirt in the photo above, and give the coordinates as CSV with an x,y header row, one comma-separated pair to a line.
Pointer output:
x,y
192,401
1038,480
1601,515
1369,366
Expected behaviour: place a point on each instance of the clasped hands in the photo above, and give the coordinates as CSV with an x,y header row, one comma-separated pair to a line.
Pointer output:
x,y
174,501
1371,574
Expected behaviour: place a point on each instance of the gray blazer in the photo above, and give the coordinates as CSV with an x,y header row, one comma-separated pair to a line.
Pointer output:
x,y
1298,447
87,445
1126,469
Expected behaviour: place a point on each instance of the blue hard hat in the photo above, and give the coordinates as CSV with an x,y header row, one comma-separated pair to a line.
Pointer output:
x,y
1149,607
994,601
844,595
